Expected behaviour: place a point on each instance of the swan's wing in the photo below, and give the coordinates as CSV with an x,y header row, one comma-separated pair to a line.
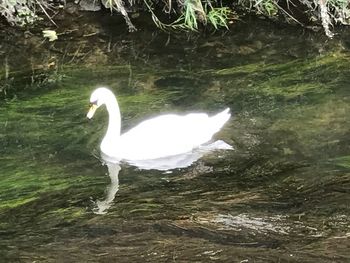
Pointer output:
x,y
170,134
166,135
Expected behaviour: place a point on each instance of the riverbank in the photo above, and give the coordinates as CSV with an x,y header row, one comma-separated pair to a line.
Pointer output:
x,y
190,15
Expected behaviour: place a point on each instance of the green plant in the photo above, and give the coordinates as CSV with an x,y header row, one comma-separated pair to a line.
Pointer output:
x,y
24,12
18,12
266,7
218,17
269,7
192,13
339,11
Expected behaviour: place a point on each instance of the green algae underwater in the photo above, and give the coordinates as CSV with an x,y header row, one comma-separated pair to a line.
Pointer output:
x,y
282,194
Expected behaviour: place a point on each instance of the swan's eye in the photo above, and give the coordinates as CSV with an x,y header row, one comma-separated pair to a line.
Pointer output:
x,y
93,103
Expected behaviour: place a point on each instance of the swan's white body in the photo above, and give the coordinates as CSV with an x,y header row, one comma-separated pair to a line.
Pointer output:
x,y
159,137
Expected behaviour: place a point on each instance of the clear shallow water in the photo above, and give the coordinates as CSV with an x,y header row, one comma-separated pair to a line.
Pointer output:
x,y
281,195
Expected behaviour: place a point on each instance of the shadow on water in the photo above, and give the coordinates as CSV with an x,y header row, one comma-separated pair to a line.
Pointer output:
x,y
281,195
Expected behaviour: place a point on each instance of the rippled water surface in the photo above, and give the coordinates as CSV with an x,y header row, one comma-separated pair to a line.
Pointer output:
x,y
282,194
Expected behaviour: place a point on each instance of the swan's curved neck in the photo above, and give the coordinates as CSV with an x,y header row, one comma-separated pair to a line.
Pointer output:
x,y
113,130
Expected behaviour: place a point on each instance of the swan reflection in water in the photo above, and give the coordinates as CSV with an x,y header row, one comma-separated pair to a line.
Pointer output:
x,y
102,206
160,164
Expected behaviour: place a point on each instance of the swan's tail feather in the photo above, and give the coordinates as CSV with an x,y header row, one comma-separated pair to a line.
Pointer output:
x,y
220,119
217,145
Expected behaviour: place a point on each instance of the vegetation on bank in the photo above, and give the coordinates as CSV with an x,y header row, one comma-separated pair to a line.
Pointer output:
x,y
189,14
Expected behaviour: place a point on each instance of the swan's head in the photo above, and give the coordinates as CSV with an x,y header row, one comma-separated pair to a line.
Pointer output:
x,y
99,97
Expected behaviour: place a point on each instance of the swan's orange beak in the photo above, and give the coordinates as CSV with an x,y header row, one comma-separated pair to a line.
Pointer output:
x,y
92,110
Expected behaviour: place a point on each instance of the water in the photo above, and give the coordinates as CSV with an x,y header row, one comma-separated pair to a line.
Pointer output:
x,y
281,195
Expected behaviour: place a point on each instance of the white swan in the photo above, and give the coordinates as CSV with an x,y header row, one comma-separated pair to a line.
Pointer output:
x,y
157,138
